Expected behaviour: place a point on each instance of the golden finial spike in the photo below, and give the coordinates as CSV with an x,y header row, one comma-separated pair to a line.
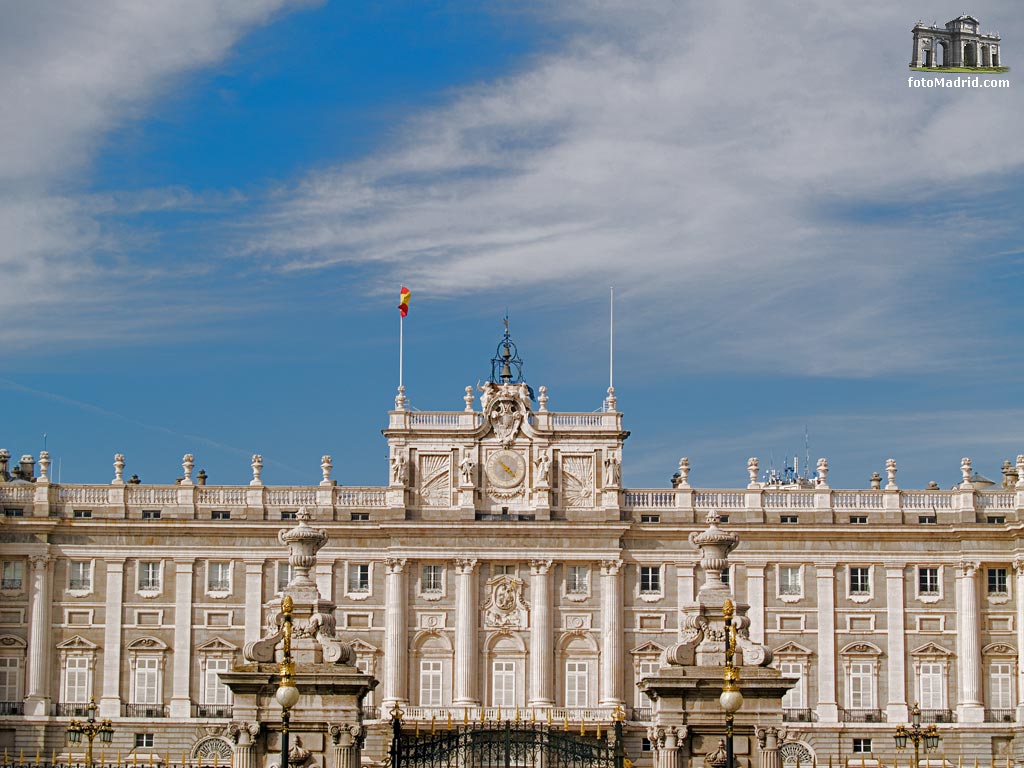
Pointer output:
x,y
167,759
499,714
565,727
21,757
549,716
533,714
38,760
465,716
432,724
417,729
728,609
583,726
287,605
449,719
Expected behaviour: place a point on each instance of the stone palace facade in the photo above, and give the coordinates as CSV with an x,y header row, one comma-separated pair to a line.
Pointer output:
x,y
505,567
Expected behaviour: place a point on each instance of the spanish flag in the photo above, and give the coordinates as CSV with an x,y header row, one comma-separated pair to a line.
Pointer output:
x,y
403,301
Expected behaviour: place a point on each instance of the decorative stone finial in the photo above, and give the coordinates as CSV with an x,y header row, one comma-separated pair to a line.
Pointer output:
x,y
400,399
44,466
822,481
542,399
715,546
610,401
752,464
965,471
118,469
325,469
890,471
304,542
257,469
684,473
876,481
188,461
1020,470
468,398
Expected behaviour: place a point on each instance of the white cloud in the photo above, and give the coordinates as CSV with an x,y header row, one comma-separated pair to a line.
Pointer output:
x,y
696,156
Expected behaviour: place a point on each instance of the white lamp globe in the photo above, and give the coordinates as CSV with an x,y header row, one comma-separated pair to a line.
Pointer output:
x,y
731,701
287,696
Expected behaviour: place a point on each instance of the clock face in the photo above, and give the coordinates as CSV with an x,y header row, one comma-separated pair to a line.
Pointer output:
x,y
506,469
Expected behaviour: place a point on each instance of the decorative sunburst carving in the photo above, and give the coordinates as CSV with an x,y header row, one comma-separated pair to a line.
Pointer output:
x,y
578,481
435,480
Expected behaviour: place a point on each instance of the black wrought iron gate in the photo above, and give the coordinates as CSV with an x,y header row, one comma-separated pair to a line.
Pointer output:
x,y
506,744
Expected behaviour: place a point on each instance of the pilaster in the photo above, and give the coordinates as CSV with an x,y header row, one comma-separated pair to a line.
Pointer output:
x,y
755,598
968,647
395,633
828,707
37,702
896,708
181,700
541,638
1018,569
466,670
611,619
110,703
253,600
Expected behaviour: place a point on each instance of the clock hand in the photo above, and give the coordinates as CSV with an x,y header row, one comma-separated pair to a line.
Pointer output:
x,y
505,467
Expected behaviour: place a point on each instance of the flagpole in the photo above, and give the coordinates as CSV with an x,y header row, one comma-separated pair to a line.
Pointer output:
x,y
610,401
401,343
403,307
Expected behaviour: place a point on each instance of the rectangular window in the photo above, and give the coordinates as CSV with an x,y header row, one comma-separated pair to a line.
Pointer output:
x,y
14,512
218,578
284,575
80,575
650,518
503,684
359,578
647,669
1001,686
790,519
143,740
789,580
220,514
645,744
927,519
151,514
862,693
928,581
360,517
149,576
431,581
76,680
727,576
505,570
576,579
14,574
930,683
215,691
997,581
146,682
430,683
577,677
794,698
860,580
650,580
10,678
862,746
289,514
859,519
723,518
996,519
81,514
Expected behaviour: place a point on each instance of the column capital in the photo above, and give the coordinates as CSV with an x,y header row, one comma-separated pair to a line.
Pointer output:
x,y
611,567
464,565
395,564
40,561
967,568
1018,565
540,567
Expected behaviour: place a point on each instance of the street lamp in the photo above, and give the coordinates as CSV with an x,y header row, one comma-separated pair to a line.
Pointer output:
x,y
90,729
928,736
731,698
287,694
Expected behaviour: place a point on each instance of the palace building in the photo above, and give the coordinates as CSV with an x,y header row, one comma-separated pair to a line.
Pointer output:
x,y
504,570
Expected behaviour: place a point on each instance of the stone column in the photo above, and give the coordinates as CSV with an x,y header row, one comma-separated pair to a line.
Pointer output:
x,y
828,707
181,700
1018,568
347,740
755,597
37,702
110,703
244,753
466,667
896,708
396,673
541,635
768,741
611,619
253,600
968,647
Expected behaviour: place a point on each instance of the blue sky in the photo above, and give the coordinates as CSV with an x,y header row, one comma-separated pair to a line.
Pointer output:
x,y
208,209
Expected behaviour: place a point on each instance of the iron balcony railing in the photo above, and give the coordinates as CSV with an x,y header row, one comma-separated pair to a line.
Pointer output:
x,y
8,708
798,715
1000,715
863,716
71,709
144,710
371,713
641,714
938,716
211,710
10,584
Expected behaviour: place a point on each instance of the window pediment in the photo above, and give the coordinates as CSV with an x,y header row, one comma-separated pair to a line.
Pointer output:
x,y
11,642
217,645
999,649
648,649
792,649
77,643
931,649
861,649
147,644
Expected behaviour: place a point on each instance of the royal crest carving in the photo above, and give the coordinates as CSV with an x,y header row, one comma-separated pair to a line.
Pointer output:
x,y
506,417
505,607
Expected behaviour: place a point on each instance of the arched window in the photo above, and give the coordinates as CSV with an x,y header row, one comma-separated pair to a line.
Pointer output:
x,y
506,671
578,662
432,667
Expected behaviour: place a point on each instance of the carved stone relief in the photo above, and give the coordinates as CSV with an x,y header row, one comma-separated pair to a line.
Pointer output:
x,y
435,480
578,481
505,607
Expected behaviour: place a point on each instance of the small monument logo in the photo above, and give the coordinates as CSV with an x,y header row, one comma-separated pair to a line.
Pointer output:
x,y
958,46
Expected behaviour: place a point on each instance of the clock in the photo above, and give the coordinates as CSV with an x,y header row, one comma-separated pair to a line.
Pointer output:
x,y
505,469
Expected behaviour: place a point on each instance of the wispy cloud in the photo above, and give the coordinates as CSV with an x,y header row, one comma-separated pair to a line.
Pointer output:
x,y
701,156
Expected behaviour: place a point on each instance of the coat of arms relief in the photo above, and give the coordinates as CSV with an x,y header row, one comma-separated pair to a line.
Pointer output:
x,y
505,607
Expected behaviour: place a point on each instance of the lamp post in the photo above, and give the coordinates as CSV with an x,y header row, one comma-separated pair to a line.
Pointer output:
x,y
90,729
731,698
287,694
928,736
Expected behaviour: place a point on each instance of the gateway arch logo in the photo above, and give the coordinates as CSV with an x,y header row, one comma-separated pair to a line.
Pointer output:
x,y
958,46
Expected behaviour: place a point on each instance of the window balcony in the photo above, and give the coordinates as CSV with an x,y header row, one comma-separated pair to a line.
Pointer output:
x,y
1000,715
71,709
863,716
211,710
10,584
938,716
641,714
798,715
143,710
9,708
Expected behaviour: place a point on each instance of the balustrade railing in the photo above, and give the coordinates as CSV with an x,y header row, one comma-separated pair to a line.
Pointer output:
x,y
938,716
220,496
290,497
863,716
642,499
17,493
70,709
144,710
354,497
718,500
857,500
152,495
798,715
927,499
83,494
1001,500
1000,715
788,499
9,708
211,710
473,714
